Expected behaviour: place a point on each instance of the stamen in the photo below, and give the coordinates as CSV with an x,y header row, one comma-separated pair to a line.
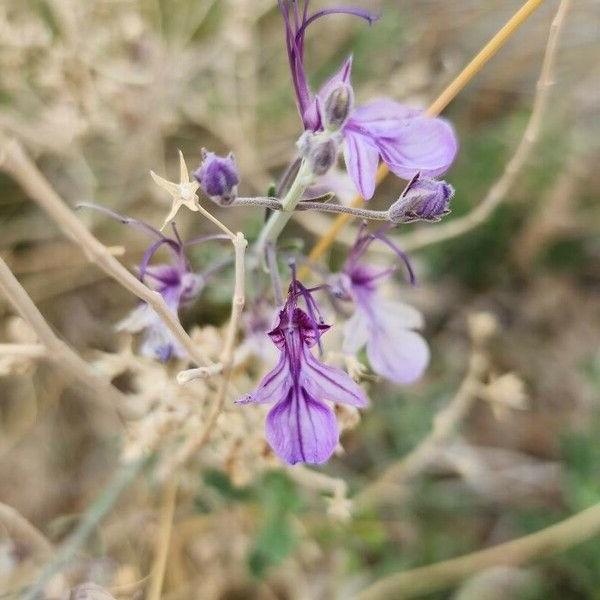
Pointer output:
x,y
152,250
400,253
342,10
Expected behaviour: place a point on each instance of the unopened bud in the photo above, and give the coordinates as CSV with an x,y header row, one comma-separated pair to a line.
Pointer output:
x,y
338,106
424,199
319,150
218,177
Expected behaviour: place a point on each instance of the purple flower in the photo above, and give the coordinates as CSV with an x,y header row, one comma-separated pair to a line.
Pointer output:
x,y
297,19
424,199
406,139
175,282
179,287
218,177
386,327
301,427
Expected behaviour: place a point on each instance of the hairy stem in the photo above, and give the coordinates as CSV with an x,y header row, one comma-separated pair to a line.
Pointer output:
x,y
274,204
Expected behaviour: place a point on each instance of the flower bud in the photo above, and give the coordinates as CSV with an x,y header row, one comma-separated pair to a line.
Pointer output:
x,y
338,106
322,156
424,199
320,150
218,177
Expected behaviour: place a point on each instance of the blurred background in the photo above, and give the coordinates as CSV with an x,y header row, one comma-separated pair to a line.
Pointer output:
x,y
101,92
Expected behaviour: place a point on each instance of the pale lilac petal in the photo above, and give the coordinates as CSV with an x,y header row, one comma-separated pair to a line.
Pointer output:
x,y
399,315
426,145
325,382
356,333
362,159
158,342
381,117
273,387
302,430
139,318
394,351
398,355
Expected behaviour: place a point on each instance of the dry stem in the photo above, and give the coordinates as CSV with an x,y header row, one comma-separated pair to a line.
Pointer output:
x,y
15,162
193,444
18,527
445,424
23,350
498,191
163,539
424,580
60,353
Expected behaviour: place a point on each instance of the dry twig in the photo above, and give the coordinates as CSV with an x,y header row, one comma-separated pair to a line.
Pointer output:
x,y
60,353
424,580
16,163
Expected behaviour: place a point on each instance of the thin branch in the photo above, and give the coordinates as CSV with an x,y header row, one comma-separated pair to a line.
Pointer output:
x,y
274,204
195,442
60,353
122,479
163,538
425,580
445,424
19,528
23,350
16,163
497,193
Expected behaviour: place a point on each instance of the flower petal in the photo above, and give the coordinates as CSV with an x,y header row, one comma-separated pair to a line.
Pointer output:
x,y
158,342
342,76
273,387
356,333
381,118
399,315
394,351
302,430
362,159
311,116
139,318
330,383
398,355
424,144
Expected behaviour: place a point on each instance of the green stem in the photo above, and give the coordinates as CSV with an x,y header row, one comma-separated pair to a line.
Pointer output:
x,y
278,220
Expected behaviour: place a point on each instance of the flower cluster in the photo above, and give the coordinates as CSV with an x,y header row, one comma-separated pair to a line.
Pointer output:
x,y
302,427
406,139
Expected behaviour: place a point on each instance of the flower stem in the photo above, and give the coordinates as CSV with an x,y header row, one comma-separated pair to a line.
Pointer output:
x,y
278,220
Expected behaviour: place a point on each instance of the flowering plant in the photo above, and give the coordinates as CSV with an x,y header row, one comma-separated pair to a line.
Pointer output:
x,y
292,369
301,426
